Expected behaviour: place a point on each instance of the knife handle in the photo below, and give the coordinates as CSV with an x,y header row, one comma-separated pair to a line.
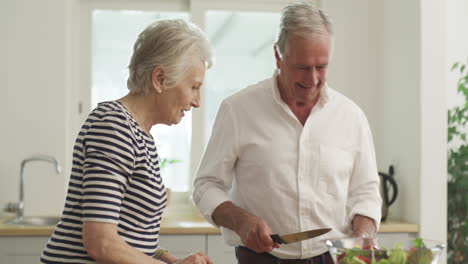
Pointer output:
x,y
277,239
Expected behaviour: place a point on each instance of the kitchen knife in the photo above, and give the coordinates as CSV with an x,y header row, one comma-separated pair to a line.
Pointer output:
x,y
296,237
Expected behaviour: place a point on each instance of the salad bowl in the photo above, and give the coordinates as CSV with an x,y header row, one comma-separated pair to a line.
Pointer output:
x,y
370,251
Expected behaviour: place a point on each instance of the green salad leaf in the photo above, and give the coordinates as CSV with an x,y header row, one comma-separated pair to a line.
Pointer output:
x,y
383,261
419,243
397,255
419,254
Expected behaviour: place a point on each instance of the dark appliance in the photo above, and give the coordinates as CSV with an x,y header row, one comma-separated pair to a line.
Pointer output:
x,y
388,190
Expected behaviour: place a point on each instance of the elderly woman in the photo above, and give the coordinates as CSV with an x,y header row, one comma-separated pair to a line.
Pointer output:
x,y
115,196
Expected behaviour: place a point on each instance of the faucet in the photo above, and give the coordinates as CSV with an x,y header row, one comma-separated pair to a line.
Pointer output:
x,y
20,208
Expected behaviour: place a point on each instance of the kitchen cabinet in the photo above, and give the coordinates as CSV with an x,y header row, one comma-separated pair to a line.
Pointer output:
x,y
183,245
24,250
219,251
27,250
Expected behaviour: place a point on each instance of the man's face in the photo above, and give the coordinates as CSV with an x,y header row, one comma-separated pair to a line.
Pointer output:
x,y
303,68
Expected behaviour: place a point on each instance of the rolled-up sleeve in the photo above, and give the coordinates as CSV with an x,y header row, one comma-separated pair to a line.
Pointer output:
x,y
215,174
364,196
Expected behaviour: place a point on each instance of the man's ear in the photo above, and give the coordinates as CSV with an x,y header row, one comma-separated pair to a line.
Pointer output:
x,y
158,78
277,57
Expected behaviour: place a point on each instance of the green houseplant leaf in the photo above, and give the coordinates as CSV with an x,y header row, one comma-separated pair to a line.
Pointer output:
x,y
166,162
457,167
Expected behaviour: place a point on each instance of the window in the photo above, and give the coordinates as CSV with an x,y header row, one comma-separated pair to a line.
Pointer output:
x,y
243,47
242,36
113,35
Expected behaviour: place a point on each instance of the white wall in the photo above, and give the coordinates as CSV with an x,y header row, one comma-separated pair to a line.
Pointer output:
x,y
354,69
33,101
456,45
414,111
433,176
399,103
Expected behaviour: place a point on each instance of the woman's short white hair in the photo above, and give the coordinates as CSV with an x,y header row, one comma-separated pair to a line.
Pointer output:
x,y
169,43
302,19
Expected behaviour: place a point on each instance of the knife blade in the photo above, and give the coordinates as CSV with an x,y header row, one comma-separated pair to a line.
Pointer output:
x,y
296,237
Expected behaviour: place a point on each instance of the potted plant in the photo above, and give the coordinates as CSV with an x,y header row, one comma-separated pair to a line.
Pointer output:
x,y
457,166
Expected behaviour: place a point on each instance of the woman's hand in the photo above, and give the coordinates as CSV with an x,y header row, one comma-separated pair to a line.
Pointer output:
x,y
197,258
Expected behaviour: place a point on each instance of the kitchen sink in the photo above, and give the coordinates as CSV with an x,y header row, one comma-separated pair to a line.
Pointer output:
x,y
35,221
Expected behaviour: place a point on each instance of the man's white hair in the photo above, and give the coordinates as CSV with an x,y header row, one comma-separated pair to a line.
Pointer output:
x,y
304,20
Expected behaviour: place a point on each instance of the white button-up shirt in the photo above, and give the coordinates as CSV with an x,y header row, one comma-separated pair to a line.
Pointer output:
x,y
294,177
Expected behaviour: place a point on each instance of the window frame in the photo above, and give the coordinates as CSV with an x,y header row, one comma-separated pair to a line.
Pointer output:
x,y
197,9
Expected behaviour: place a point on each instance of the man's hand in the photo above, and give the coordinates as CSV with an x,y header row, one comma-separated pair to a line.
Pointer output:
x,y
255,234
253,231
363,226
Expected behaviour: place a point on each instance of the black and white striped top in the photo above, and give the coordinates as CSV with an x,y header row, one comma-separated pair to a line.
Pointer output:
x,y
116,179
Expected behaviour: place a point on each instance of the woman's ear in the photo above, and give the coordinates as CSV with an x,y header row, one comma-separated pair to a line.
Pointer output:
x,y
157,79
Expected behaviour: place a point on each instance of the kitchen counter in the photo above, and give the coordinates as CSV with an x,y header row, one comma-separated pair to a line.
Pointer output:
x,y
175,224
171,224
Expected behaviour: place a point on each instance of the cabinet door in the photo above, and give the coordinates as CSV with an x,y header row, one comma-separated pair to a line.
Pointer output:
x,y
183,245
24,250
219,251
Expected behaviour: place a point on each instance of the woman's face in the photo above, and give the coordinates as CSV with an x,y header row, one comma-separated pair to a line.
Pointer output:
x,y
186,93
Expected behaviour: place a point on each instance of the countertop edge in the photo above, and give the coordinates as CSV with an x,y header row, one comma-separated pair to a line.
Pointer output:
x,y
192,224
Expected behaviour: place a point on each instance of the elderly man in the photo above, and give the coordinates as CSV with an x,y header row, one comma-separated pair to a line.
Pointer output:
x,y
290,154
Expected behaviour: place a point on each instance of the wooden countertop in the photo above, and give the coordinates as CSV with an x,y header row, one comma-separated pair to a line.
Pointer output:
x,y
188,224
171,224
393,226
